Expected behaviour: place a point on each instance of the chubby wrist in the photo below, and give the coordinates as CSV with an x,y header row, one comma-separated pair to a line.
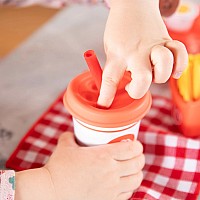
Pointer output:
x,y
34,184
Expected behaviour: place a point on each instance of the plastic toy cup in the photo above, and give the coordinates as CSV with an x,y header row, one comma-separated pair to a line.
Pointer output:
x,y
185,114
96,126
183,19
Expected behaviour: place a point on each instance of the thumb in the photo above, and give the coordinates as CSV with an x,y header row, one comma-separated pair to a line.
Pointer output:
x,y
112,74
67,139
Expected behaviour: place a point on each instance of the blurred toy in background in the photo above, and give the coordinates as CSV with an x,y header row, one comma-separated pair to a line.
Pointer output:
x,y
184,25
183,19
168,7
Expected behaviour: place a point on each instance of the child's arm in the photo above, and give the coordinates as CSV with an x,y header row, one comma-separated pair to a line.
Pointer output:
x,y
136,40
111,171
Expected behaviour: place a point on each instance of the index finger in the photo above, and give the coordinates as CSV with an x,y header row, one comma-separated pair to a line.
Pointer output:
x,y
112,74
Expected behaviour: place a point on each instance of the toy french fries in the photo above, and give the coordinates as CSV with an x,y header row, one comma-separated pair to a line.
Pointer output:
x,y
185,82
186,98
196,78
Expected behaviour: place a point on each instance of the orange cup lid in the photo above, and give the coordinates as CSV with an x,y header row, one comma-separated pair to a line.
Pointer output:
x,y
81,97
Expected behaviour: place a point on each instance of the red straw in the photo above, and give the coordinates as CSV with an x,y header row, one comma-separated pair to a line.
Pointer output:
x,y
94,67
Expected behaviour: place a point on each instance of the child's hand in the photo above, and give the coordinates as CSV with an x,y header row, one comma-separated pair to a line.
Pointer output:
x,y
109,172
136,40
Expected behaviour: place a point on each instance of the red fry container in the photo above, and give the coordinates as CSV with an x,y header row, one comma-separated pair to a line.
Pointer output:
x,y
185,114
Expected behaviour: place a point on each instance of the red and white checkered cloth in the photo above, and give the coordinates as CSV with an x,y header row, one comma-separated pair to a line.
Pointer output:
x,y
172,169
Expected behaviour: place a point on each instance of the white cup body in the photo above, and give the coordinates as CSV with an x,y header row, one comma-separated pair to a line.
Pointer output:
x,y
89,135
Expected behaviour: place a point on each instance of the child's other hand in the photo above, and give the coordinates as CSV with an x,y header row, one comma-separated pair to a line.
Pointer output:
x,y
136,40
109,172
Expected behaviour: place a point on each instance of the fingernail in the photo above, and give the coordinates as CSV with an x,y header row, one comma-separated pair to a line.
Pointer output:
x,y
126,140
104,102
177,75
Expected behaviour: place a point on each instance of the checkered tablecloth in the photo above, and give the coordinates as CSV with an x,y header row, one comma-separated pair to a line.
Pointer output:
x,y
172,169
